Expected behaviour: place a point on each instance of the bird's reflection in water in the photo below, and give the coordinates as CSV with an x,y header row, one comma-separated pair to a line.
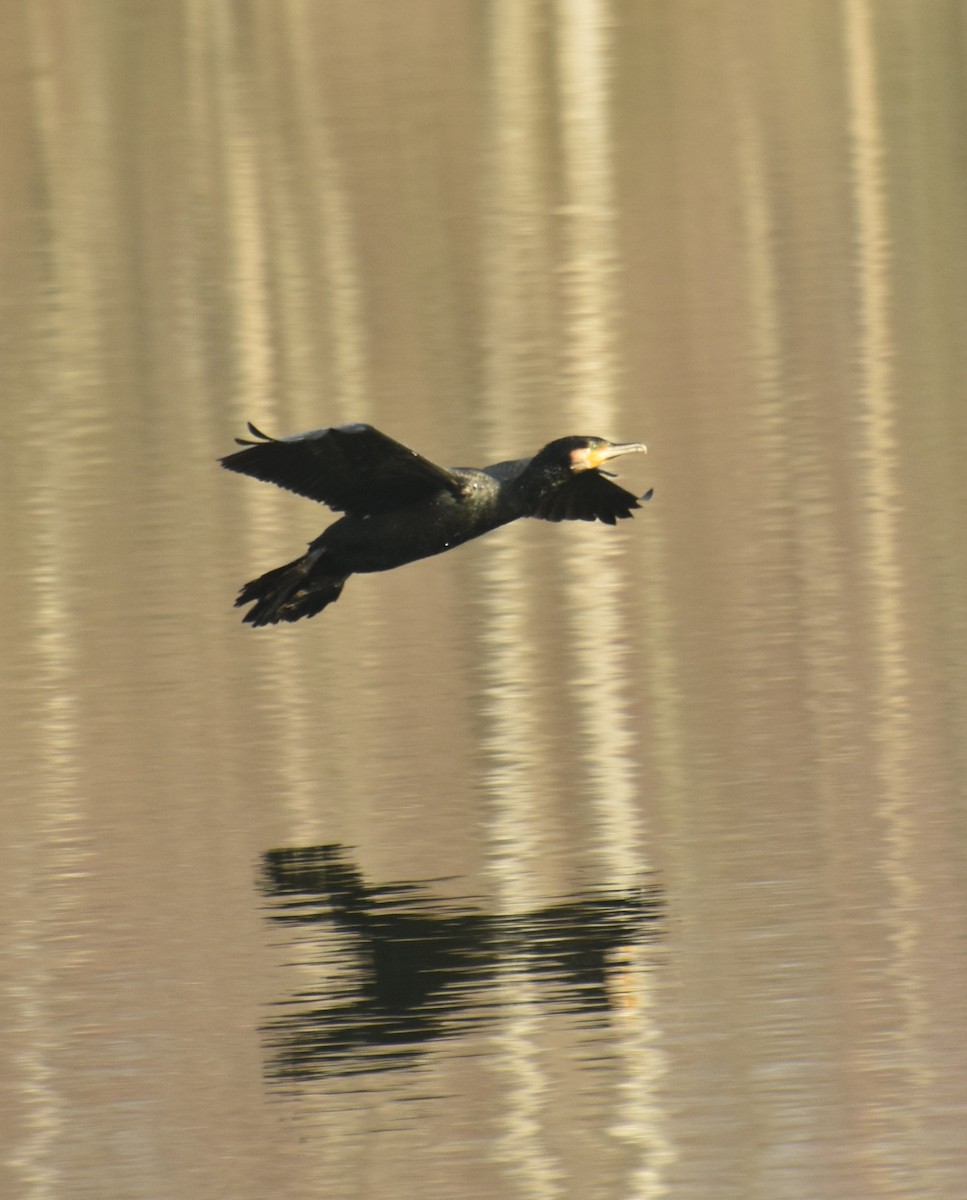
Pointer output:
x,y
397,969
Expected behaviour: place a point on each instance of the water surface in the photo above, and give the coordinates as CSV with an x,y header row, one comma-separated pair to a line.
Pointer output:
x,y
578,861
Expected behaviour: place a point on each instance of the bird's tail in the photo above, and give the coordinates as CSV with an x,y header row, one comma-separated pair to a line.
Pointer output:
x,y
289,593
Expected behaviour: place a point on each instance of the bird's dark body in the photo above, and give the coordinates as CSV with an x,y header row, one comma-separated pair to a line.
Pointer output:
x,y
418,530
400,508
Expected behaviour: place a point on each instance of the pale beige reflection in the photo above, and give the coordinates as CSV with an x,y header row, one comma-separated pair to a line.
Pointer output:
x,y
517,252
257,211
596,575
878,462
45,942
277,331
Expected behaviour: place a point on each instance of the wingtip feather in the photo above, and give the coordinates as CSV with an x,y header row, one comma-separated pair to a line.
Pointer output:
x,y
257,433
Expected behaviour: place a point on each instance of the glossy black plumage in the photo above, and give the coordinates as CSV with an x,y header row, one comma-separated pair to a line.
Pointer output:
x,y
400,507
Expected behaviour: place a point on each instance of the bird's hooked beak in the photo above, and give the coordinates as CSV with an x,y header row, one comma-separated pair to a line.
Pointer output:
x,y
593,457
614,451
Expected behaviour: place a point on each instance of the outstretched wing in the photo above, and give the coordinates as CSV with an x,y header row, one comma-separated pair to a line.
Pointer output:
x,y
352,468
587,497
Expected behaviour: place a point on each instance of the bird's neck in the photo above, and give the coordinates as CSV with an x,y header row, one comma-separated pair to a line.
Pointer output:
x,y
527,488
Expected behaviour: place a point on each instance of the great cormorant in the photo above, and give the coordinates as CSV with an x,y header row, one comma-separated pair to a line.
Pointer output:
x,y
400,507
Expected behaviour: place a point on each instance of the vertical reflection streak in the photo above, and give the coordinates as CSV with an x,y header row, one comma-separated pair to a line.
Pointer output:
x,y
789,567
245,189
45,942
595,596
314,170
513,253
245,209
897,1051
332,238
334,231
590,316
761,585
260,220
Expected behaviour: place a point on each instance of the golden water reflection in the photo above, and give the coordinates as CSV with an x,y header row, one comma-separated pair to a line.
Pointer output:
x,y
734,235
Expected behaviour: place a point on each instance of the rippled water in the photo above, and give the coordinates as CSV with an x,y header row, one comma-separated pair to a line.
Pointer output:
x,y
575,862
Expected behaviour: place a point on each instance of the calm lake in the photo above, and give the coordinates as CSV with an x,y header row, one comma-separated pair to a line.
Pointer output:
x,y
580,862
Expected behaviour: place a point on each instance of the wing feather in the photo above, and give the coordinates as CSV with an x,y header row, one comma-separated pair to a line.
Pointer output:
x,y
588,497
351,468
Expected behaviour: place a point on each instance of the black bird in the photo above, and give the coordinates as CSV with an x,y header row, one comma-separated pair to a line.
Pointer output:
x,y
400,507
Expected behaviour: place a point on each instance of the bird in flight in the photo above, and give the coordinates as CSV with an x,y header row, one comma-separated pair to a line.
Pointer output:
x,y
399,507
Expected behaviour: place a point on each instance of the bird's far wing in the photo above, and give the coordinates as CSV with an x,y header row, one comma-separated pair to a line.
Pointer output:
x,y
587,497
352,468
